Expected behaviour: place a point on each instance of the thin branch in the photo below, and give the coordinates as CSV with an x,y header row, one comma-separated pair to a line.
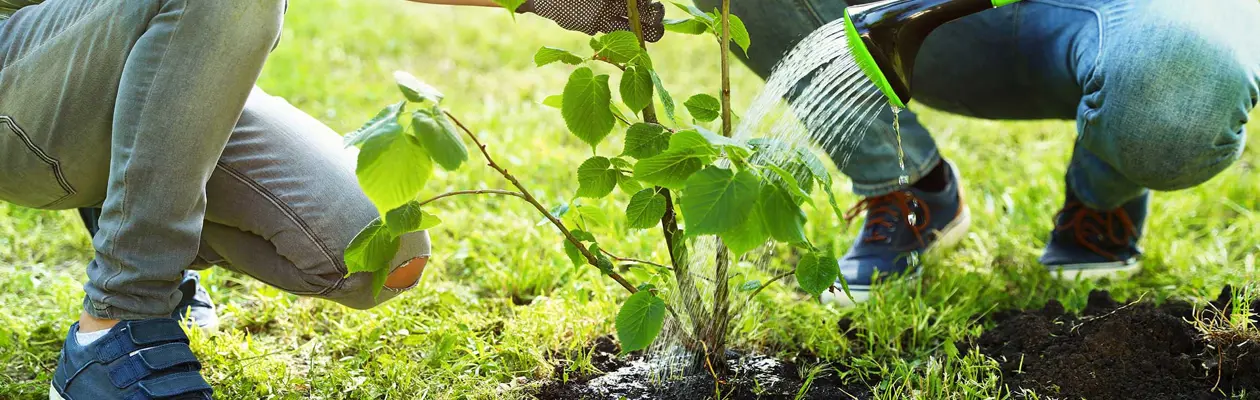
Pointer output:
x,y
772,280
631,260
590,258
468,192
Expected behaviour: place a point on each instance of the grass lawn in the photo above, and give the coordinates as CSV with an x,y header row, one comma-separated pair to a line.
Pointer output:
x,y
501,299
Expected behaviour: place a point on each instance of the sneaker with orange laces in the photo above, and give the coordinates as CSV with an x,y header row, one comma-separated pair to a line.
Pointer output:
x,y
901,227
1088,243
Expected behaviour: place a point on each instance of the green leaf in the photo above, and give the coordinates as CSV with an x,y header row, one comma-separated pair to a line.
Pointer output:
x,y
439,137
640,321
620,47
554,101
739,34
748,236
371,251
547,55
816,272
781,215
572,251
416,90
586,215
717,200
695,12
510,5
790,183
596,178
689,26
669,169
704,107
628,184
382,121
750,286
695,142
667,101
603,263
636,87
392,167
645,209
586,106
645,140
621,116
409,218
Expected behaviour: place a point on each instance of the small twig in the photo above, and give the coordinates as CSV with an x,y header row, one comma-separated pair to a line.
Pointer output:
x,y
772,280
467,192
1087,320
590,258
631,260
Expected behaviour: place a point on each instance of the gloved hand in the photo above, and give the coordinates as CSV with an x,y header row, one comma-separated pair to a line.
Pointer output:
x,y
594,16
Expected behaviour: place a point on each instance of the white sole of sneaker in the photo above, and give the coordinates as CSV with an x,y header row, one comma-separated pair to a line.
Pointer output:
x,y
52,393
1095,271
948,237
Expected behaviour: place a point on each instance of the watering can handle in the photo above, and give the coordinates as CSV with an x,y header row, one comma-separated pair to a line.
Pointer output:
x,y
999,3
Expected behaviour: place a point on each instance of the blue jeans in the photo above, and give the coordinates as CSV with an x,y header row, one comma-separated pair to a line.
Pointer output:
x,y
1160,89
148,110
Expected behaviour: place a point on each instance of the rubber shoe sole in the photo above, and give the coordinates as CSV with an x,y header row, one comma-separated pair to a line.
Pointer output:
x,y
949,237
1095,271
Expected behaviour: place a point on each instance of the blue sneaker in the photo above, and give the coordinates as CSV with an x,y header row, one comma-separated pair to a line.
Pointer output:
x,y
1088,243
196,306
136,360
901,227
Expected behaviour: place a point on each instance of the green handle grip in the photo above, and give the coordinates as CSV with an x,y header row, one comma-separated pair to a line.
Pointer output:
x,y
999,3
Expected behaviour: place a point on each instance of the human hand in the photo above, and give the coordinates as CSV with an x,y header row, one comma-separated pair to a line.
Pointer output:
x,y
595,16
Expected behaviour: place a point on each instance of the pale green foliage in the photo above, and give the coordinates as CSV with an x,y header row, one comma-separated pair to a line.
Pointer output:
x,y
816,272
704,107
646,140
439,137
645,209
374,246
596,178
717,200
410,218
586,102
392,166
547,55
636,87
640,320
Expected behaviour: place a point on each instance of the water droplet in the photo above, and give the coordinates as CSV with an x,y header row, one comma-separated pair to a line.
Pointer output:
x,y
903,180
912,219
912,259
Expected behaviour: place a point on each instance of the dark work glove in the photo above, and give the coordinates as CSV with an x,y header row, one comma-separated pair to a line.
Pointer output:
x,y
595,16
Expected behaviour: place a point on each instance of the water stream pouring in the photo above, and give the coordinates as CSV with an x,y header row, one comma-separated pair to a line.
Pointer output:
x,y
885,37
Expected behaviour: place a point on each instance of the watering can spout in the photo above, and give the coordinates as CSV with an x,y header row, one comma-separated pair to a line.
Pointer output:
x,y
885,37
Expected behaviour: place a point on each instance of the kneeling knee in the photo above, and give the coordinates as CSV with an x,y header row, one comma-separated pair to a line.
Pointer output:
x,y
360,290
1177,157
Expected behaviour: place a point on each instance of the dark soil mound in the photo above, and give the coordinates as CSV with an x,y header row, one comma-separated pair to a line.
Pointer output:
x,y
753,377
1113,351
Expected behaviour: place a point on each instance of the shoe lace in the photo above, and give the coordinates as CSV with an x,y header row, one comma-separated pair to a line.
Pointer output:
x,y
886,210
1093,228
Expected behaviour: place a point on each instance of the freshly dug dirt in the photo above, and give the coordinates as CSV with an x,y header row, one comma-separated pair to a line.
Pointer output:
x,y
1114,351
753,377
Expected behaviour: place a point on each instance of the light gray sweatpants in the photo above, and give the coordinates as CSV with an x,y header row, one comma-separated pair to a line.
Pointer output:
x,y
148,110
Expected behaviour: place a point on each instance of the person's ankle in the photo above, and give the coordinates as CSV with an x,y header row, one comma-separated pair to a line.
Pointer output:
x,y
935,180
89,323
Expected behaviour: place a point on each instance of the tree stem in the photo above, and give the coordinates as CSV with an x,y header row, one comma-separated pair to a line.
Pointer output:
x,y
468,192
590,258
